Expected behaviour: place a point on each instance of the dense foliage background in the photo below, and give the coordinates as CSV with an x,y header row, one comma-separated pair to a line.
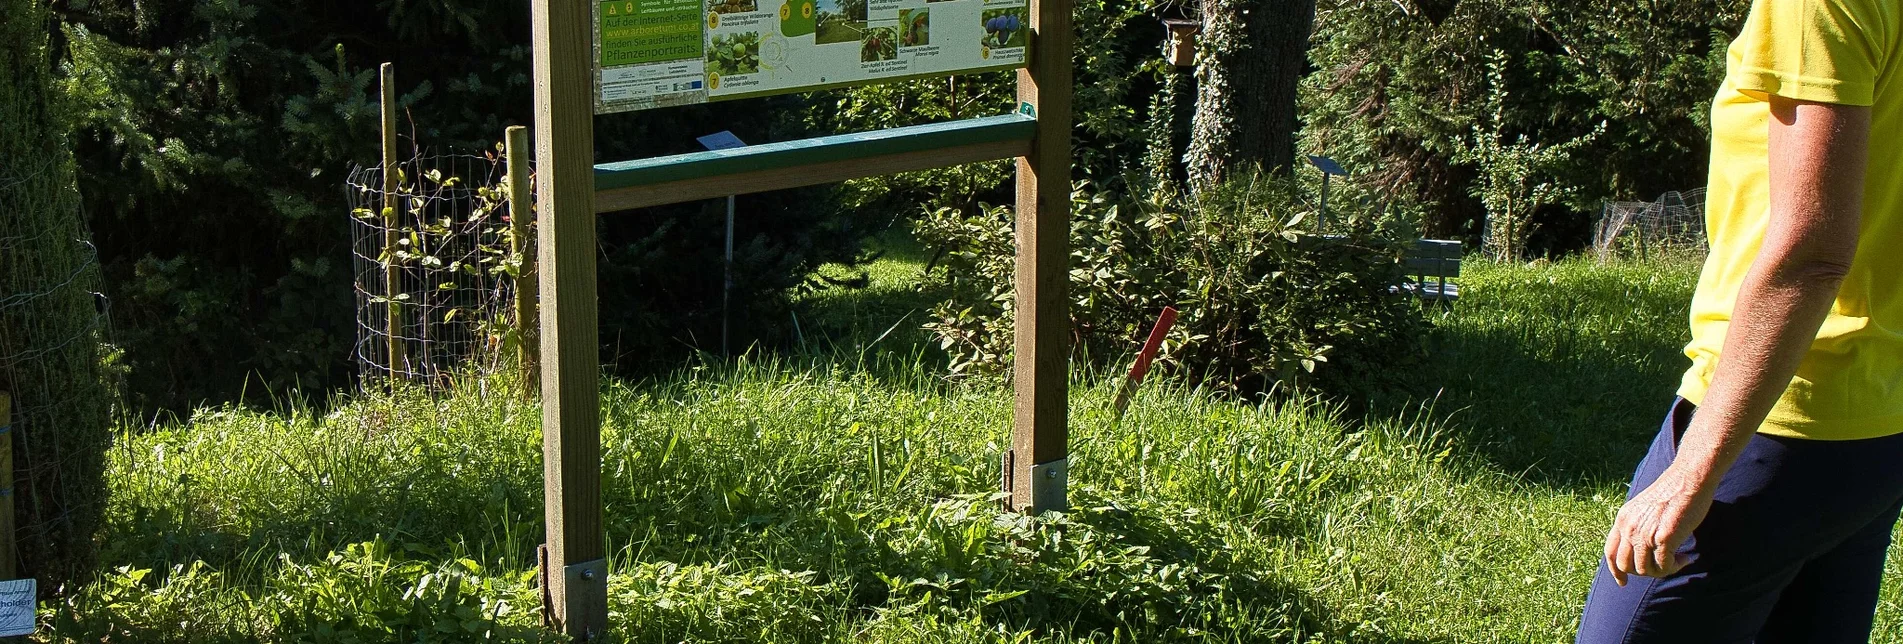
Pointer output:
x,y
213,136
1404,92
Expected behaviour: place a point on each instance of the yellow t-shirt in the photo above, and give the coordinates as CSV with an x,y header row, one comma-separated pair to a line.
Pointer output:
x,y
1850,52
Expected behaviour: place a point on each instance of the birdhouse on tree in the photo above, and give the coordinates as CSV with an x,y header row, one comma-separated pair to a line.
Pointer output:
x,y
1180,48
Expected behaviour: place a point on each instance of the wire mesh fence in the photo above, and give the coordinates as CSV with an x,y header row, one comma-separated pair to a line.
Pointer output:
x,y
55,357
434,272
1674,223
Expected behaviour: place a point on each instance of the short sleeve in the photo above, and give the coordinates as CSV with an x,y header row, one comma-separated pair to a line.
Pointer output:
x,y
1825,51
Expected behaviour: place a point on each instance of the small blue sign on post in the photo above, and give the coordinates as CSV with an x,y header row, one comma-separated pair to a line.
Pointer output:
x,y
722,140
725,140
1330,169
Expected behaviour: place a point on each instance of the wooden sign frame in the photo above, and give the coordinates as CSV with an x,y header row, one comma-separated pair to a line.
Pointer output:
x,y
573,190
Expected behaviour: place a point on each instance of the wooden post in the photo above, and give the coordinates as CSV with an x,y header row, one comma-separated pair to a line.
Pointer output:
x,y
1037,468
576,575
521,215
393,318
9,554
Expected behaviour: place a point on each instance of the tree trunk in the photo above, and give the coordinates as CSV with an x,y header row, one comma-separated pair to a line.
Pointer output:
x,y
1254,53
50,325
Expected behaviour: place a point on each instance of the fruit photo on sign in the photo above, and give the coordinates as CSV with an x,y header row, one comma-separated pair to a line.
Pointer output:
x,y
733,6
734,54
1004,28
915,28
881,43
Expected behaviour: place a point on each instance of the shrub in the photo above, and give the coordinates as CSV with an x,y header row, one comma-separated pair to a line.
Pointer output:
x,y
1263,300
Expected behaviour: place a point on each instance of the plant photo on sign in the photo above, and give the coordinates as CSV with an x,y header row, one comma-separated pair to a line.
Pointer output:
x,y
733,6
915,27
840,21
1005,27
881,43
735,54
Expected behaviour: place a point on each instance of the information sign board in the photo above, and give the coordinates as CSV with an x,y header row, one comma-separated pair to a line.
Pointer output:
x,y
17,604
659,53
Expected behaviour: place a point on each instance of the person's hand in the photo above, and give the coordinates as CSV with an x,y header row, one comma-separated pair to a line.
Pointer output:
x,y
1645,538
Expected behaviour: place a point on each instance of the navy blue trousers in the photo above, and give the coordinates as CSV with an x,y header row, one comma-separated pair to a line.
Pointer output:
x,y
1792,550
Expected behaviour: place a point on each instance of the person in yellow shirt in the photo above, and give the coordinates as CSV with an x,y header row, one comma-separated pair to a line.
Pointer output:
x,y
1764,509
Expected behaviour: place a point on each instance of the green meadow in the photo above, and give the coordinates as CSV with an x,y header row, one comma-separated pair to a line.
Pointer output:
x,y
845,493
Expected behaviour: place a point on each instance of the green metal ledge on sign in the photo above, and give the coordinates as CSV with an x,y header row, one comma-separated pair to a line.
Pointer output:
x,y
804,152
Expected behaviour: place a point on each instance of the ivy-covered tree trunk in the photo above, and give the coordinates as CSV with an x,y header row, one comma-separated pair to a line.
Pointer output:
x,y
51,359
1254,53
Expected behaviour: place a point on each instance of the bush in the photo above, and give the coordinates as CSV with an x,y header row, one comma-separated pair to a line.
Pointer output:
x,y
1263,301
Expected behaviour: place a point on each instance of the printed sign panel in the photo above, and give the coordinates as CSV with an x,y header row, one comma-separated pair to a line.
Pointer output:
x,y
660,53
17,603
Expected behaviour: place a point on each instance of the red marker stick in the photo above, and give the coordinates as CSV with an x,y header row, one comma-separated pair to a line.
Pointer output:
x,y
1142,367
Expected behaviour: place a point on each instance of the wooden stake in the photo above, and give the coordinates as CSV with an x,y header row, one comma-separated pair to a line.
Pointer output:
x,y
521,216
393,318
1141,367
1038,466
9,554
571,395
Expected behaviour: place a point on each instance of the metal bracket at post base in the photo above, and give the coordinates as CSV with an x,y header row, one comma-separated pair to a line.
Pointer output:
x,y
585,595
1046,491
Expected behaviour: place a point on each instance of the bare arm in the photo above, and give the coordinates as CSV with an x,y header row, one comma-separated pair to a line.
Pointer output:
x,y
1818,153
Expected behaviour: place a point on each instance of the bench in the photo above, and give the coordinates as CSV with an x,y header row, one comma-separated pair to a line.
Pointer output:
x,y
1431,262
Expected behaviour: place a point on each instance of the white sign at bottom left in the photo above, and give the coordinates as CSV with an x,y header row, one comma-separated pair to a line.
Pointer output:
x,y
18,599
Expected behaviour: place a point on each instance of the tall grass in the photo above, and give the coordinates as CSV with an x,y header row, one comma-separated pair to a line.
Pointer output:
x,y
759,502
801,500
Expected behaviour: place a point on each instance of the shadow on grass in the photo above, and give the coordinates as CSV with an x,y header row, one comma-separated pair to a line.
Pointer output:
x,y
873,319
1248,605
1557,375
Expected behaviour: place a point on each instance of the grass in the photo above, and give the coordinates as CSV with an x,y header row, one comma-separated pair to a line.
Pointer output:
x,y
847,495
839,31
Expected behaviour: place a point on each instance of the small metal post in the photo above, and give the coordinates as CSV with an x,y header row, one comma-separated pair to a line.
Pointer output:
x,y
725,140
1322,221
726,287
1329,168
